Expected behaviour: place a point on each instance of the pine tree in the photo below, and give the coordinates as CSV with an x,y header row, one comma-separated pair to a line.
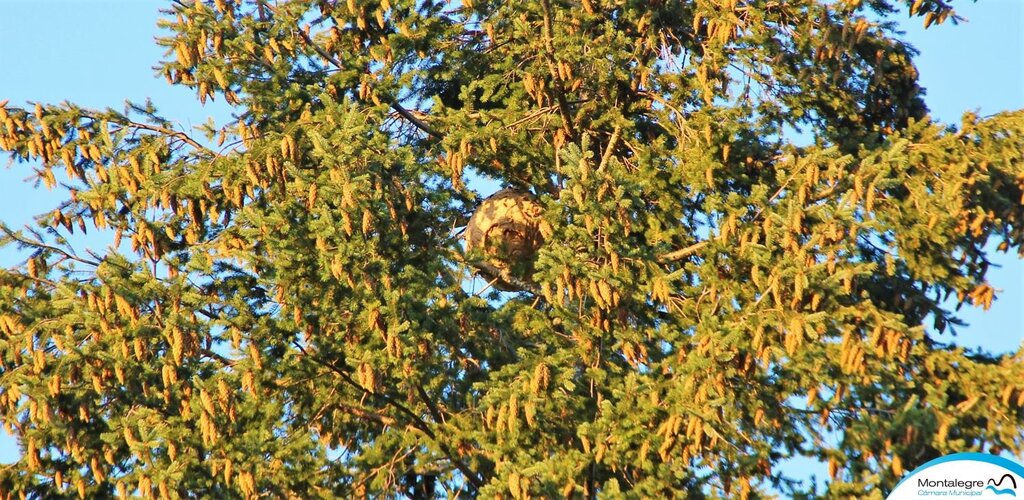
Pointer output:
x,y
283,311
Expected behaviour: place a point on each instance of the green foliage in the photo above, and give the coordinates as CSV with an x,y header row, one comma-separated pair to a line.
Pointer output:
x,y
287,316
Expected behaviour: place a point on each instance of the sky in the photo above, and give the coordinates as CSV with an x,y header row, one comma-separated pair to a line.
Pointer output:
x,y
99,53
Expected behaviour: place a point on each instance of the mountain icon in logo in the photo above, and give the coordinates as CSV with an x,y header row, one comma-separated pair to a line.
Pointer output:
x,y
993,485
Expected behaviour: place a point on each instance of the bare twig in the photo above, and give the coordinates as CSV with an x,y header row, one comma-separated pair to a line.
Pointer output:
x,y
777,193
533,115
365,414
487,286
506,276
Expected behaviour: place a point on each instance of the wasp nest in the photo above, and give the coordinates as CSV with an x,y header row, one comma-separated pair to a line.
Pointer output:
x,y
506,230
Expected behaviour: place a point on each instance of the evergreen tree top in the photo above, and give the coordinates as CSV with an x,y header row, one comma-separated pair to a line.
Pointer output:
x,y
285,308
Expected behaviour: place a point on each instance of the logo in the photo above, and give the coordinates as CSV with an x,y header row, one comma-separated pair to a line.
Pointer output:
x,y
993,484
963,475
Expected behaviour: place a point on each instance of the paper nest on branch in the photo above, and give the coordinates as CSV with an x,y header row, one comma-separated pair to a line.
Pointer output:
x,y
506,230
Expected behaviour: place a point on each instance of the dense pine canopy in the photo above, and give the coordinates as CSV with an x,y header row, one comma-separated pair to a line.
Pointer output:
x,y
284,309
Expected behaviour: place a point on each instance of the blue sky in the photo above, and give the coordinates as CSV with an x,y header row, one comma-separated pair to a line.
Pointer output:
x,y
98,53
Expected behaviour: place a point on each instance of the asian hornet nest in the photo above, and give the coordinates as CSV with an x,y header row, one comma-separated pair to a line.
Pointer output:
x,y
506,231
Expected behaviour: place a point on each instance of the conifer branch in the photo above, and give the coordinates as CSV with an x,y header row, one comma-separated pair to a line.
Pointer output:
x,y
395,105
171,133
549,49
682,253
177,134
43,246
415,419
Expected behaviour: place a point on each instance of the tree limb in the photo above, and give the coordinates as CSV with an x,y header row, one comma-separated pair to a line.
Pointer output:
x,y
610,149
682,253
